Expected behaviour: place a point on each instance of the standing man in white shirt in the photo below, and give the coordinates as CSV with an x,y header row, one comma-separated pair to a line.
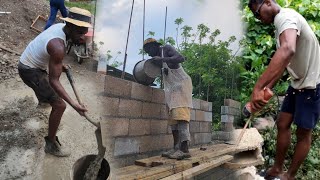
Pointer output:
x,y
46,52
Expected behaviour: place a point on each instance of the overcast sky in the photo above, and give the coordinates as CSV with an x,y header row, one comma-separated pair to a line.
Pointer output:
x,y
112,21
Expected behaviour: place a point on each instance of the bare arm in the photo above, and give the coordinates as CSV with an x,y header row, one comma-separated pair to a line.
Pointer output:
x,y
173,56
56,50
276,67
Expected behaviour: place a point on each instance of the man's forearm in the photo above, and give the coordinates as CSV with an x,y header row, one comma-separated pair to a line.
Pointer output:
x,y
275,70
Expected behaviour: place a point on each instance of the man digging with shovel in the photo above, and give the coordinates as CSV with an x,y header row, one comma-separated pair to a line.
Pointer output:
x,y
298,51
47,51
178,95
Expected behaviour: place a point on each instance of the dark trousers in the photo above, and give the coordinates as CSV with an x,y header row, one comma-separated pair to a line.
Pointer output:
x,y
56,5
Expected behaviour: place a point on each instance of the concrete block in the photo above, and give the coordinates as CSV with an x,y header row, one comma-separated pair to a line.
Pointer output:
x,y
205,127
200,115
141,92
210,106
232,103
162,142
146,144
193,114
221,135
111,106
126,146
130,108
159,127
113,127
164,112
228,126
158,96
151,110
192,139
196,103
227,118
208,116
139,127
202,138
117,87
230,111
194,126
204,105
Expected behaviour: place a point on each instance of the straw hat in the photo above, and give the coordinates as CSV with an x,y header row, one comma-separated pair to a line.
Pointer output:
x,y
79,17
150,40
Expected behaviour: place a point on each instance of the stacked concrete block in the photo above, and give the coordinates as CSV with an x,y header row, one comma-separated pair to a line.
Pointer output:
x,y
229,113
136,120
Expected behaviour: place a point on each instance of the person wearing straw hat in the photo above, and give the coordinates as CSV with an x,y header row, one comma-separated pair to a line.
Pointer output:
x,y
178,95
56,5
46,52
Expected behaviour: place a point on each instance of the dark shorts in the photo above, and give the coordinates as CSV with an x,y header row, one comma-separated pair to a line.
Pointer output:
x,y
37,79
304,105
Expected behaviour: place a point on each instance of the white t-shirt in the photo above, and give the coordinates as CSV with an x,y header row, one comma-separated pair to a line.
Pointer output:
x,y
304,67
36,54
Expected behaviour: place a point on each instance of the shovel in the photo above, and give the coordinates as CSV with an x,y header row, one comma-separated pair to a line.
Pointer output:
x,y
94,167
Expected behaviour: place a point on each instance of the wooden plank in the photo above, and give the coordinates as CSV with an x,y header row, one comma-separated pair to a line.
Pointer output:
x,y
187,174
172,166
148,161
243,163
9,50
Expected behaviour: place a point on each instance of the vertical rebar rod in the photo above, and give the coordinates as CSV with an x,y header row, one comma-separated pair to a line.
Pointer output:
x,y
144,15
125,55
165,26
94,23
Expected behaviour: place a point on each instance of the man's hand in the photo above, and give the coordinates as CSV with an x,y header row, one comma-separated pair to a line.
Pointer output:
x,y
157,60
80,109
65,67
257,100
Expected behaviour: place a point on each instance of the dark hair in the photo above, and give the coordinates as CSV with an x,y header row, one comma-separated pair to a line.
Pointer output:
x,y
252,2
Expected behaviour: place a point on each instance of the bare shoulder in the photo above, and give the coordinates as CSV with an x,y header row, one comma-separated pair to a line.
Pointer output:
x,y
56,47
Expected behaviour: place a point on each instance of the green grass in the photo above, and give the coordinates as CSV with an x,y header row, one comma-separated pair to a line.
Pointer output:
x,y
84,5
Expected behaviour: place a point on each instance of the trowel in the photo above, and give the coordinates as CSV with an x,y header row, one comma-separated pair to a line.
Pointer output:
x,y
94,167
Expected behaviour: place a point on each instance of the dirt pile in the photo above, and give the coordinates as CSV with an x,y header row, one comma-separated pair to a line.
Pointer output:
x,y
21,137
8,65
15,32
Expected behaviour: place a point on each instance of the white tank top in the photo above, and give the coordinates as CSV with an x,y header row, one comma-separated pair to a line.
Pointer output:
x,y
36,54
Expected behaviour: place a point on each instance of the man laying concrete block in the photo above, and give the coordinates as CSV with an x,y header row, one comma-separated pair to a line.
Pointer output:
x,y
178,95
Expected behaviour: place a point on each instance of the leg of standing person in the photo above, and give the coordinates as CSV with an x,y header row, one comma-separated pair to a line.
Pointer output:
x,y
53,14
306,119
62,8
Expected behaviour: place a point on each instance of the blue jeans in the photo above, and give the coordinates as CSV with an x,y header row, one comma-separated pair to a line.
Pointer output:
x,y
56,5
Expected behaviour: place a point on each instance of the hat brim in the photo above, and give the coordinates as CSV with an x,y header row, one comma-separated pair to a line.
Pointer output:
x,y
77,22
152,42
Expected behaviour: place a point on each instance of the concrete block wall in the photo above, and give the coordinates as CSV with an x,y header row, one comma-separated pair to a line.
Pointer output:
x,y
230,113
135,119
